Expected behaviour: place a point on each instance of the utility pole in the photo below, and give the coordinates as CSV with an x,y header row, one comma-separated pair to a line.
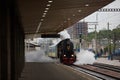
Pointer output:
x,y
95,24
96,33
108,38
109,42
95,38
80,36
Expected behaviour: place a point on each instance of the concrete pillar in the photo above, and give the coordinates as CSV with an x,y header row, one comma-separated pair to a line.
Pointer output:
x,y
17,42
11,41
17,52
3,41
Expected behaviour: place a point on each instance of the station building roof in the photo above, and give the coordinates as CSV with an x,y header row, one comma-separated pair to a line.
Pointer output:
x,y
52,16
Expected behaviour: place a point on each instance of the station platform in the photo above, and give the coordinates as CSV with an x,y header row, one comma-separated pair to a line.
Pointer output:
x,y
106,61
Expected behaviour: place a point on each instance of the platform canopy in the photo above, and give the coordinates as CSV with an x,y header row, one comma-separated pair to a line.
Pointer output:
x,y
52,16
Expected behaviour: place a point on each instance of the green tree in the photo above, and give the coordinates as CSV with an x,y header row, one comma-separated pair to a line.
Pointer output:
x,y
105,34
116,37
91,36
116,34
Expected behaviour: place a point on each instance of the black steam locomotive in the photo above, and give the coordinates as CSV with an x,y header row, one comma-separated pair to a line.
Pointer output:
x,y
65,52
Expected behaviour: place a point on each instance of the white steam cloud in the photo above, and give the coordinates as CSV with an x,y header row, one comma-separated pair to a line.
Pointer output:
x,y
85,57
64,35
37,56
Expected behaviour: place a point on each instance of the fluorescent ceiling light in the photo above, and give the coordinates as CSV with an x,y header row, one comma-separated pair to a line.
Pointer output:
x,y
86,5
68,18
47,8
48,5
79,10
50,1
43,15
45,11
73,14
42,19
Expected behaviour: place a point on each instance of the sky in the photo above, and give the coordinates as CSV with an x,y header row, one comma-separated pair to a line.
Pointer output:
x,y
104,17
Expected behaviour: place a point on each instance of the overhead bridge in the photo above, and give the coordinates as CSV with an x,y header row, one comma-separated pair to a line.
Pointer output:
x,y
20,19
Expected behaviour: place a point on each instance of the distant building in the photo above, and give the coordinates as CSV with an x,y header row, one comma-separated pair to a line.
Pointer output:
x,y
75,31
78,28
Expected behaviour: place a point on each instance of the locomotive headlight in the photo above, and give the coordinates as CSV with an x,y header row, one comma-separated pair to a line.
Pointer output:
x,y
72,55
64,55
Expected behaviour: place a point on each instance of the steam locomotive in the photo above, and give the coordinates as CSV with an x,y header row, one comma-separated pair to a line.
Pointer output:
x,y
64,51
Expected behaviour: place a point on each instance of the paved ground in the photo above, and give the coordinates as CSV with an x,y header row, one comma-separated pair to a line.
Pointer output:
x,y
51,71
106,61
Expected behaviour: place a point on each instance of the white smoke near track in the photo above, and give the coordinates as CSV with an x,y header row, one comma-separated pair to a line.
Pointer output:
x,y
55,42
85,57
64,35
37,56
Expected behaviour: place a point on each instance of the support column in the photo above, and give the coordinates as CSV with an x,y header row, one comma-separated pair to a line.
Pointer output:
x,y
3,41
17,42
11,41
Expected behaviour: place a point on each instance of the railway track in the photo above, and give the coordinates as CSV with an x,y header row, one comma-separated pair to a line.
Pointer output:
x,y
109,67
100,73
